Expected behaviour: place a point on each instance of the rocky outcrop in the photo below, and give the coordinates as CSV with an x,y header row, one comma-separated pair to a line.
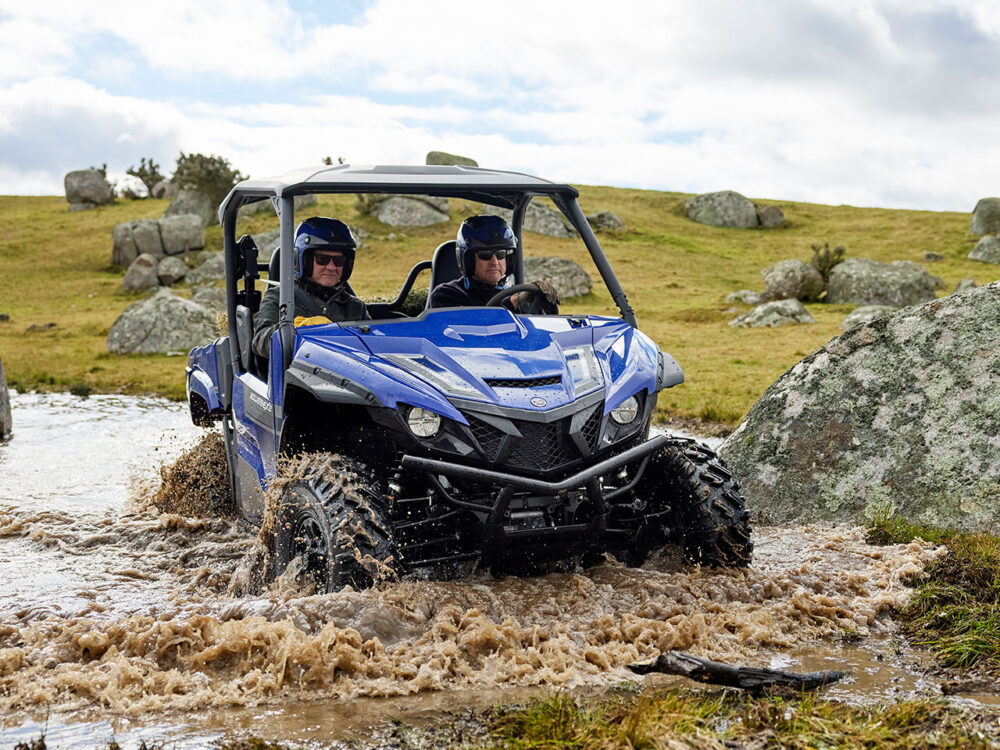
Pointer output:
x,y
6,424
211,297
569,278
182,233
538,219
987,250
899,415
792,279
986,217
784,312
142,274
606,221
146,236
770,216
171,270
212,268
865,314
725,208
189,201
123,249
964,285
859,281
86,189
171,235
161,324
445,159
164,189
413,211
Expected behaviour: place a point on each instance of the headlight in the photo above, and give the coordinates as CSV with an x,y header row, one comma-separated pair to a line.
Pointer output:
x,y
626,411
584,369
430,371
423,423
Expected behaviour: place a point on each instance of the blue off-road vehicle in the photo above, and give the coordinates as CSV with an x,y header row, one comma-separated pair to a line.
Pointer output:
x,y
435,440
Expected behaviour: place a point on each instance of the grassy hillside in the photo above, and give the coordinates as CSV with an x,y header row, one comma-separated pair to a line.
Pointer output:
x,y
56,269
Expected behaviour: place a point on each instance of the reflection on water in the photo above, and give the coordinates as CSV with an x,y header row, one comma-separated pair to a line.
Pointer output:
x,y
116,618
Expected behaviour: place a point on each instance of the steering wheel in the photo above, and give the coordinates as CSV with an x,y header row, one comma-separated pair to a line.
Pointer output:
x,y
503,294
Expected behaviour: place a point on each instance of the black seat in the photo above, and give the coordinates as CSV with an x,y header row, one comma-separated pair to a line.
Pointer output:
x,y
444,266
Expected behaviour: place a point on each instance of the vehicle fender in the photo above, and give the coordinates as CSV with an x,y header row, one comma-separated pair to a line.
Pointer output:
x,y
200,383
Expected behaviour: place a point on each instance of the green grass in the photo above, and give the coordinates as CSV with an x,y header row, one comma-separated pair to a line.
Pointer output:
x,y
955,611
675,272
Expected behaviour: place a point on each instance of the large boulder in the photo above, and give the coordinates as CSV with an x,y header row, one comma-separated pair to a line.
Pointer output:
x,y
901,415
163,323
443,158
864,314
87,188
123,249
211,297
792,279
212,268
413,210
171,270
784,312
182,233
146,236
986,250
770,216
606,221
986,217
725,208
569,278
164,189
539,219
859,281
6,425
189,201
142,274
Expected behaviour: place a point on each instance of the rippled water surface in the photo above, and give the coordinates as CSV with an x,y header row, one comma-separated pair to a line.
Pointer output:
x,y
120,620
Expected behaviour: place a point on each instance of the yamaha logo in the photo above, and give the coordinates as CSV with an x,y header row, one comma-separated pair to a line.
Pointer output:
x,y
537,401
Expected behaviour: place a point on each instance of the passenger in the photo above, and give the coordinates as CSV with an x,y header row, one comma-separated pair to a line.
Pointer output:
x,y
324,259
485,250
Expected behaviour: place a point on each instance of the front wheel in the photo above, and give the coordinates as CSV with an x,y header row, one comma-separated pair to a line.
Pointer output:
x,y
332,522
693,498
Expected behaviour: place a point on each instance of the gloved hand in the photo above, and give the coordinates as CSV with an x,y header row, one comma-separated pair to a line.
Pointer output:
x,y
549,291
314,320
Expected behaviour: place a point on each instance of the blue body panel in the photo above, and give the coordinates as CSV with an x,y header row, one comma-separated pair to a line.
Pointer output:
x,y
202,375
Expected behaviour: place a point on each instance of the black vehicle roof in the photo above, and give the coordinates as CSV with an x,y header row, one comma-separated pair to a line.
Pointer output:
x,y
490,186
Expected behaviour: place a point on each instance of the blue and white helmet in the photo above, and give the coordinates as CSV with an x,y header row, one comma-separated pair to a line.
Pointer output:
x,y
483,232
323,233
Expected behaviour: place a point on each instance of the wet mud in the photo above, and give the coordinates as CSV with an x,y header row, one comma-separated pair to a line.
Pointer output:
x,y
150,608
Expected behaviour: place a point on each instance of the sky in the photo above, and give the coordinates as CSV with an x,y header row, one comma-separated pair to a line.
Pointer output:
x,y
892,103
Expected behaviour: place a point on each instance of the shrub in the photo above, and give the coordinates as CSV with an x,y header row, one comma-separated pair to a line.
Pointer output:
x,y
212,175
147,172
824,259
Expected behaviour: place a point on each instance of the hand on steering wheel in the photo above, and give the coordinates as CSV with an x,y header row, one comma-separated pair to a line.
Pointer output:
x,y
497,299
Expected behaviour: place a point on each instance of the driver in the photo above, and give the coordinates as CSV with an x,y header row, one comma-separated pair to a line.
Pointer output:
x,y
324,259
485,248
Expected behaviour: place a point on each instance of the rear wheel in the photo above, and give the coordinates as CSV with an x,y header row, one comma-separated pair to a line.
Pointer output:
x,y
691,497
332,522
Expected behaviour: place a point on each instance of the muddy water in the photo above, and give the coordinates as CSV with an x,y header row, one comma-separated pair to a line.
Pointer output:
x,y
117,618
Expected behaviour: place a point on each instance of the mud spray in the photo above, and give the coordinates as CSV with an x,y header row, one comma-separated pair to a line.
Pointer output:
x,y
166,614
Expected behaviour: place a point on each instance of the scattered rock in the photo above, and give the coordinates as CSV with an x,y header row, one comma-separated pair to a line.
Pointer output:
x,y
182,233
569,278
211,297
193,202
859,281
87,188
538,219
267,243
146,236
171,270
896,416
865,314
161,324
6,425
792,279
123,249
40,327
725,208
773,314
606,221
142,274
4,318
413,211
770,216
986,250
932,257
964,285
212,268
746,296
986,217
164,189
445,159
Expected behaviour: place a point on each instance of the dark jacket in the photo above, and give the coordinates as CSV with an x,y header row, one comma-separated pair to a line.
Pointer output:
x,y
464,292
335,302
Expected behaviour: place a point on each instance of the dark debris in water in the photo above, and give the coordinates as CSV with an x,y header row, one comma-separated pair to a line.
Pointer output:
x,y
197,483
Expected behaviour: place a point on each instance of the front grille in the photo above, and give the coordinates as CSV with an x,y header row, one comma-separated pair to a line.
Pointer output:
x,y
592,429
489,437
522,383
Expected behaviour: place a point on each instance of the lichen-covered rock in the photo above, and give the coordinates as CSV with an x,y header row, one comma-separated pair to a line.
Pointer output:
x,y
211,297
864,314
123,249
6,424
443,158
163,323
725,208
606,221
986,217
901,414
87,188
413,211
182,233
212,268
987,250
770,216
783,312
746,296
164,189
146,236
171,270
189,201
792,279
859,281
142,274
569,278
964,285
539,219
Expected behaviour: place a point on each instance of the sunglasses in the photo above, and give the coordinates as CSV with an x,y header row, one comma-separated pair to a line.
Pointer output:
x,y
499,254
322,260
